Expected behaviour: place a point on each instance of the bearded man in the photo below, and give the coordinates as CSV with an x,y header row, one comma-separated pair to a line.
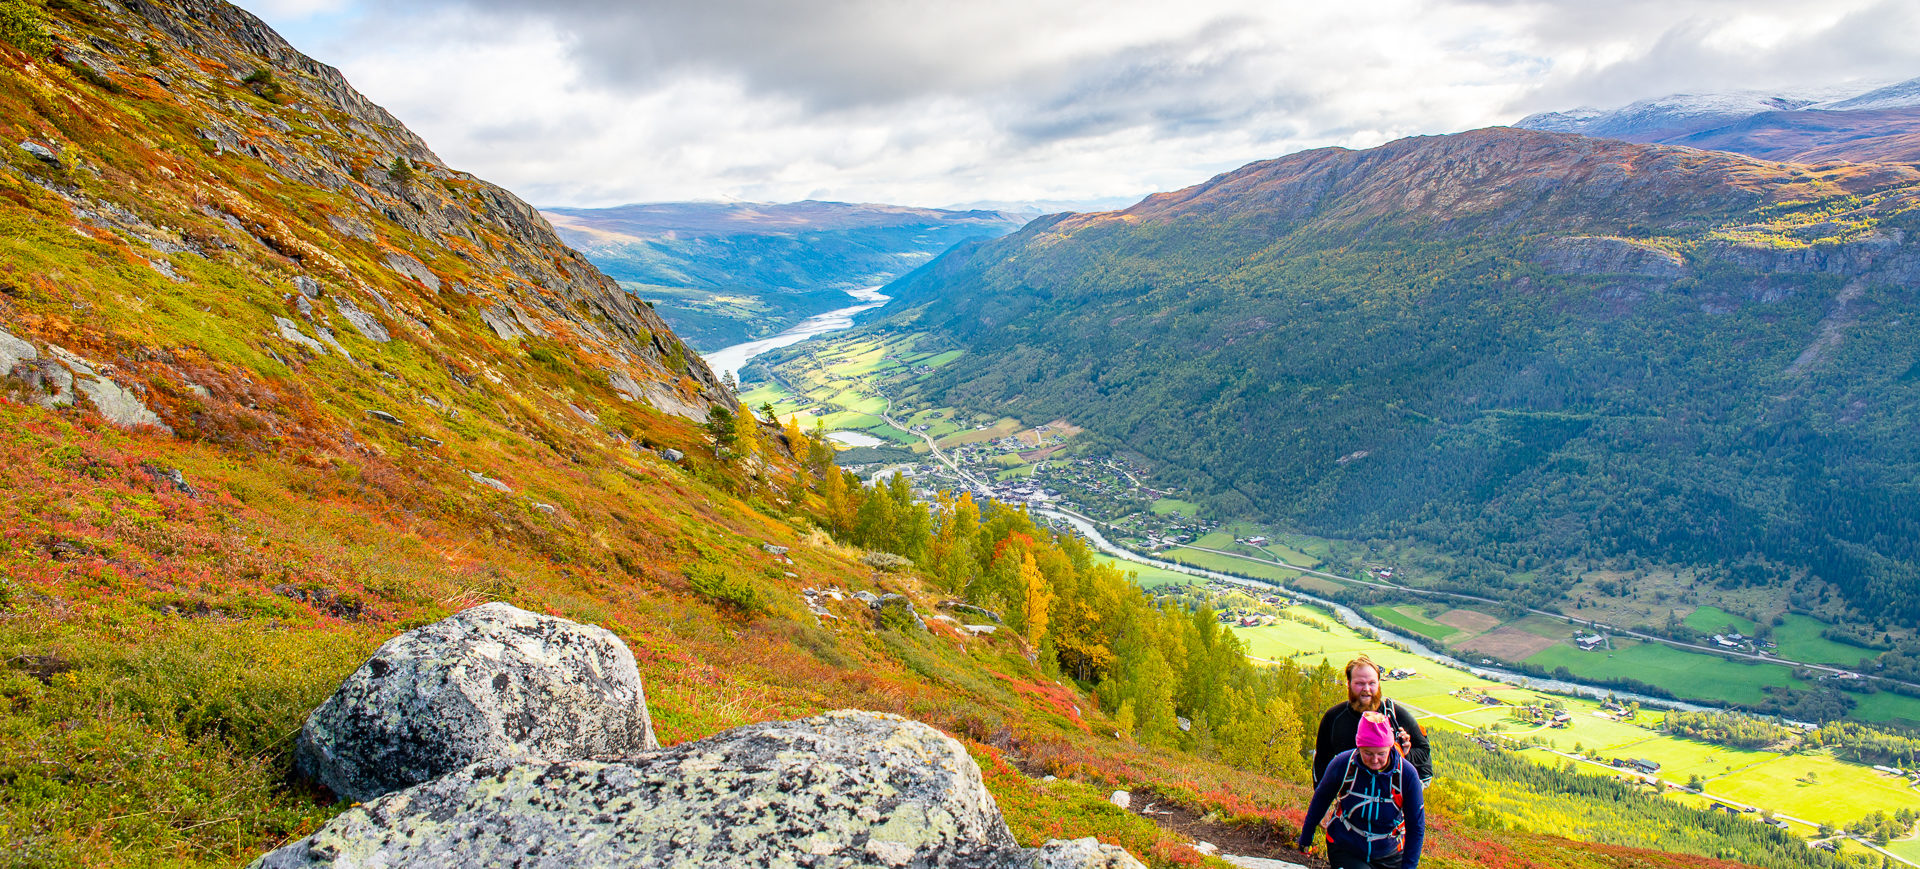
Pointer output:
x,y
1338,726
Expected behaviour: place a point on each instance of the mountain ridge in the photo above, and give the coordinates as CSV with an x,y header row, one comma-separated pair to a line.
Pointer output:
x,y
1810,126
1478,314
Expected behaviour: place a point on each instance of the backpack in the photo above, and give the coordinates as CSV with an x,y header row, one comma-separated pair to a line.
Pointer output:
x,y
1368,807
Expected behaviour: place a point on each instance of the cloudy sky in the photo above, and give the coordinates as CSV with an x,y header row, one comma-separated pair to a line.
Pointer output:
x,y
601,102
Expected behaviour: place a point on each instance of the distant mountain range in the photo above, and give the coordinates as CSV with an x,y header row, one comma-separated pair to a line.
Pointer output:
x,y
1880,124
726,272
1518,347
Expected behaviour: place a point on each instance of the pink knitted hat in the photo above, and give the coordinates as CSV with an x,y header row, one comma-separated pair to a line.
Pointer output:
x,y
1374,731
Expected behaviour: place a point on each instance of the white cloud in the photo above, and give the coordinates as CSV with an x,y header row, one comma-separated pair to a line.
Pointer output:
x,y
595,102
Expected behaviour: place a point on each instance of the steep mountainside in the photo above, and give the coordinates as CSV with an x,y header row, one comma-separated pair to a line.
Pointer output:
x,y
723,273
1799,127
276,386
1519,347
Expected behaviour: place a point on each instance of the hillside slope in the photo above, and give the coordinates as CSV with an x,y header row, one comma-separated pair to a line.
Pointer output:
x,y
723,273
273,395
1519,347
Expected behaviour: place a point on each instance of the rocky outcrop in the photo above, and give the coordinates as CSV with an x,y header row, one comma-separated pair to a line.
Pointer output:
x,y
842,789
60,377
498,737
1589,255
493,683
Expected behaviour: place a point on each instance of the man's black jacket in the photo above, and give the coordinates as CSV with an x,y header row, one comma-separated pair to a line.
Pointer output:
x,y
1339,725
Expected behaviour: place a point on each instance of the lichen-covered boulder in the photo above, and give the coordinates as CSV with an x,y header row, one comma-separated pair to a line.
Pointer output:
x,y
844,789
491,683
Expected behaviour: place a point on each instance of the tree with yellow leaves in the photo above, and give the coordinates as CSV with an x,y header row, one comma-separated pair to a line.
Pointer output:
x,y
1036,596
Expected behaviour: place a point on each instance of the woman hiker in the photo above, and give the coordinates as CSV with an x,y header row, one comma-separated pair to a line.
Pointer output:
x,y
1379,812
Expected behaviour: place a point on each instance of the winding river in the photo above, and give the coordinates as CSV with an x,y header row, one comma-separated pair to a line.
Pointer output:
x,y
1353,620
730,359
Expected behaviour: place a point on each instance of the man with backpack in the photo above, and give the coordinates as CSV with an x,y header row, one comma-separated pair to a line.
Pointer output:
x,y
1340,723
1378,803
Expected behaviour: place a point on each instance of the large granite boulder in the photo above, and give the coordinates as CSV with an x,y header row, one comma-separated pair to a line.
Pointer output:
x,y
844,789
493,683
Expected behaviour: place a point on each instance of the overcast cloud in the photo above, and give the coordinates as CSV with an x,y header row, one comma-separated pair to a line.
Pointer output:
x,y
595,102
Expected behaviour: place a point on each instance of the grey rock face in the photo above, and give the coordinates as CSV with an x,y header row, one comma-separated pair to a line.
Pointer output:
x,y
41,152
843,789
493,683
1585,255
366,323
673,455
290,331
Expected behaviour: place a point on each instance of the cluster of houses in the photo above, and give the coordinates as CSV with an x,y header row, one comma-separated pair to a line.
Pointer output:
x,y
1540,715
1589,642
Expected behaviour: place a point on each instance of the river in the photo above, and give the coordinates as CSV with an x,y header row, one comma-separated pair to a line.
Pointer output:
x,y
730,359
1353,620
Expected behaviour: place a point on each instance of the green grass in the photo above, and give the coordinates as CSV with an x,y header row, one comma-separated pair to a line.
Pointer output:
x,y
1172,506
1714,620
1147,575
1800,640
1416,623
1693,675
1840,792
1844,791
1887,707
1229,564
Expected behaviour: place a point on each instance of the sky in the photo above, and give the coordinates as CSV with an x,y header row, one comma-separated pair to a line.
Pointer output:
x,y
1056,102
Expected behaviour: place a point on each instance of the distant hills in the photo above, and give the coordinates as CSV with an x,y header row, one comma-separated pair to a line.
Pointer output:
x,y
1519,347
723,273
1808,126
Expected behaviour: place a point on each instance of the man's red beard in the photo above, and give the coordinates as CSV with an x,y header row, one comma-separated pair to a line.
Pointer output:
x,y
1372,704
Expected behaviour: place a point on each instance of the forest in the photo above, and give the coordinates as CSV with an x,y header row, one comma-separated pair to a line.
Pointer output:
x,y
1464,382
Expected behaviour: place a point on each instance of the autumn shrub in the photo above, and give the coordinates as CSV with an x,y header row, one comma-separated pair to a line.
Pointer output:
x,y
22,26
726,588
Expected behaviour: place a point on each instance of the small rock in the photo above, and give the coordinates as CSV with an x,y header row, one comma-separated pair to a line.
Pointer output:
x,y
897,606
1123,799
290,331
1207,848
494,683
544,508
776,550
308,287
585,416
673,455
171,477
1086,853
980,630
1185,724
44,153
867,597
489,482
385,417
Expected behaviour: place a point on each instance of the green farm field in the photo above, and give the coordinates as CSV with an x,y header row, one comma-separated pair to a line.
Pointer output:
x,y
1409,618
1799,640
1713,620
1147,575
1169,506
1695,675
1843,792
1229,564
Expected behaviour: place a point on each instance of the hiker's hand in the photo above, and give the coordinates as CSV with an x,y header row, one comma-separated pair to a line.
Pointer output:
x,y
1405,739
